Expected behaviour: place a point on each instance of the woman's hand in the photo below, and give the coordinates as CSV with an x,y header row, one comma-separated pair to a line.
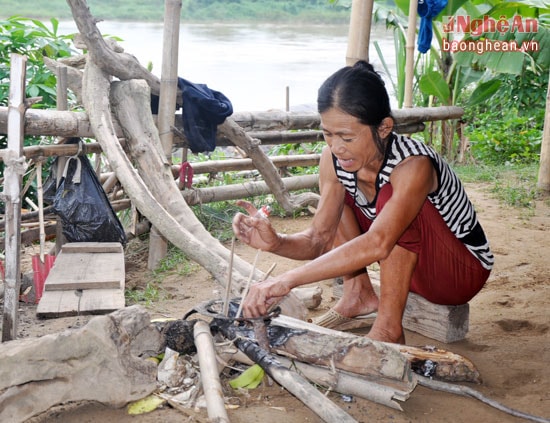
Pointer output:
x,y
254,229
263,296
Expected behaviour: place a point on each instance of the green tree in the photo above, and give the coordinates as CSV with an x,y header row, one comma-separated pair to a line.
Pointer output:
x,y
447,77
33,39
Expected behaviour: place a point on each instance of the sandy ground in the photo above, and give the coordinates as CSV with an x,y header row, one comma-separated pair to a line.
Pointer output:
x,y
508,340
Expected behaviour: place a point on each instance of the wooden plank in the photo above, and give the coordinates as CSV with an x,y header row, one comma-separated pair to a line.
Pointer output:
x,y
86,271
76,302
92,247
443,323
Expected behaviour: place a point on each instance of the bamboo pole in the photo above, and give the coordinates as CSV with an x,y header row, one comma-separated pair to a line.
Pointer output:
x,y
77,124
359,31
409,58
199,196
210,379
543,182
158,246
13,173
169,75
248,189
62,104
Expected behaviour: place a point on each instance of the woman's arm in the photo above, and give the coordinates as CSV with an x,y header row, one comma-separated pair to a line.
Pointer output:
x,y
309,243
411,181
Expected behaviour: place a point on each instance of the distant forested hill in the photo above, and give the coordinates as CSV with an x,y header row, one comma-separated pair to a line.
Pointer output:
x,y
311,11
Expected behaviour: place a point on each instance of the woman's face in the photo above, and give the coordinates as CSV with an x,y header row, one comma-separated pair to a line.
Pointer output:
x,y
349,140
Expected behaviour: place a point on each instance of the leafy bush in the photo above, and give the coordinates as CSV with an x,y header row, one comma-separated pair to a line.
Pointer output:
x,y
33,39
508,138
508,127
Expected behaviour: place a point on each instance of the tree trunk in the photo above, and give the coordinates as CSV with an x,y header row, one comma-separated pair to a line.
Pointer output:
x,y
155,209
130,102
269,172
167,211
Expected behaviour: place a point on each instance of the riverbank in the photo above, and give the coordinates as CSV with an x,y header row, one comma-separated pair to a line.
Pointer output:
x,y
290,11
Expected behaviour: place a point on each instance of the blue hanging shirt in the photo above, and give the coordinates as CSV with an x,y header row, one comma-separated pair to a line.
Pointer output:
x,y
427,10
203,110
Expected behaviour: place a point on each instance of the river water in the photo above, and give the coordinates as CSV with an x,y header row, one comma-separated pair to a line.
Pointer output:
x,y
252,64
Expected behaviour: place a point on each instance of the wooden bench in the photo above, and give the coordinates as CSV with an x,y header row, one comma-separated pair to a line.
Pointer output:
x,y
87,278
440,322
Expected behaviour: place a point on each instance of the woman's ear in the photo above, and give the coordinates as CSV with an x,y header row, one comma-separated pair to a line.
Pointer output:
x,y
385,127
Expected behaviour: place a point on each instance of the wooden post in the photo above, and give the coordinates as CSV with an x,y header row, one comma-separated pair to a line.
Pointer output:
x,y
543,182
13,173
359,31
61,104
158,246
409,58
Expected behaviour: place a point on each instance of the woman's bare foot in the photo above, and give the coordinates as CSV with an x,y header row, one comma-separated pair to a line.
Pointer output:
x,y
358,297
393,334
356,306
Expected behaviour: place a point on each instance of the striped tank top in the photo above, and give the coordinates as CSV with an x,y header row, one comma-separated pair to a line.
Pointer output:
x,y
449,199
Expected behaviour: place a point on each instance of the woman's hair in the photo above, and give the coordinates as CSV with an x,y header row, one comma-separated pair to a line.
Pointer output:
x,y
359,91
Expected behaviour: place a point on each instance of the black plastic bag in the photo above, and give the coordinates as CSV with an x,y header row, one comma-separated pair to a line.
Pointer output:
x,y
83,206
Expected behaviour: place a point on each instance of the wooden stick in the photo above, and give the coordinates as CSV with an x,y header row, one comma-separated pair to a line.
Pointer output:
x,y
466,391
31,203
247,286
211,384
40,192
229,278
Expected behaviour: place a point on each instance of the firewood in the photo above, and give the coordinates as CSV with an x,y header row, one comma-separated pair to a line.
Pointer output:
x,y
291,381
314,346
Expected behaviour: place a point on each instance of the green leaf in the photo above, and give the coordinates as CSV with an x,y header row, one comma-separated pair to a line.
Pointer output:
x,y
452,7
33,91
403,5
432,83
145,405
484,91
249,379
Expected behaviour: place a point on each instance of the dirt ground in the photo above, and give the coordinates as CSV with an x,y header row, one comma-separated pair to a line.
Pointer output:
x,y
508,340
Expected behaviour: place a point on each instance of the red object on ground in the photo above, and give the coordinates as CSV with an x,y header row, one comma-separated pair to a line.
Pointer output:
x,y
40,273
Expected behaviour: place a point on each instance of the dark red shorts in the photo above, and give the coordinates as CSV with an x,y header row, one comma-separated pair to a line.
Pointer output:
x,y
446,272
